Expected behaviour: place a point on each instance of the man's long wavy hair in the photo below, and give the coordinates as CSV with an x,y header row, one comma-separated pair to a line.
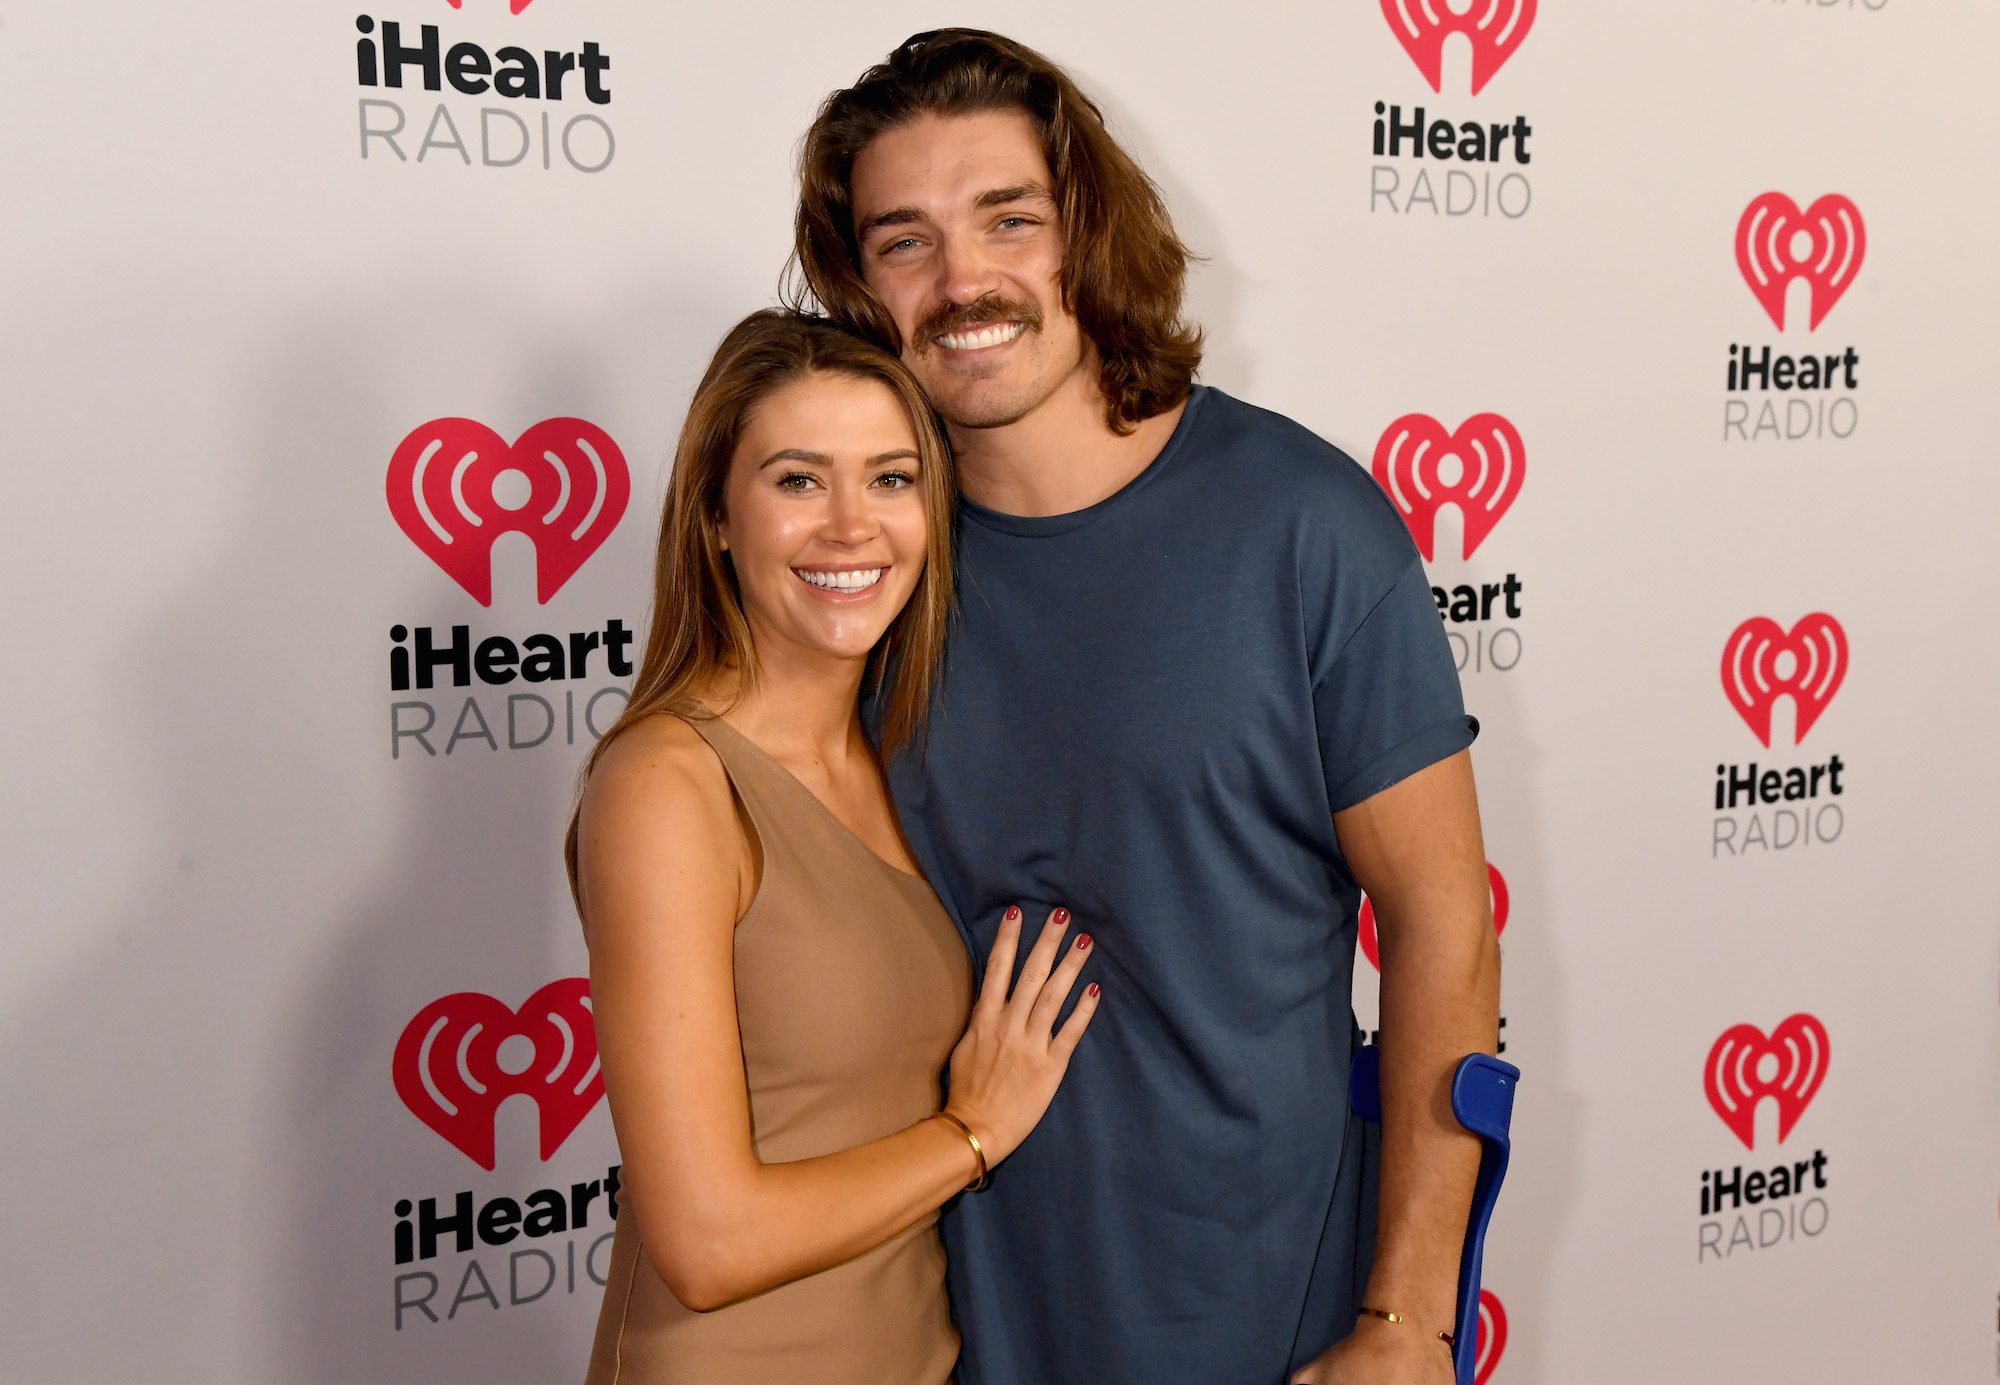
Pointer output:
x,y
698,632
1124,267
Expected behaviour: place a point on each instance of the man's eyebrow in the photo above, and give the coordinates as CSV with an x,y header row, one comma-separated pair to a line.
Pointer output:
x,y
901,216
1020,192
796,454
992,197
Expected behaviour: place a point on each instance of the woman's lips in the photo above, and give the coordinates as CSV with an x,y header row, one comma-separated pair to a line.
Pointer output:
x,y
844,584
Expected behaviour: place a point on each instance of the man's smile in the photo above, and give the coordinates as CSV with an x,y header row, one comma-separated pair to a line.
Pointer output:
x,y
981,338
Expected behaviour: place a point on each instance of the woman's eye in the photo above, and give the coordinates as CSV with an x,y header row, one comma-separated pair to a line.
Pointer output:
x,y
795,482
895,480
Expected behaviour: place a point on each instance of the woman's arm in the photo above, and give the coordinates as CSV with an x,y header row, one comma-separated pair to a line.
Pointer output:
x,y
666,873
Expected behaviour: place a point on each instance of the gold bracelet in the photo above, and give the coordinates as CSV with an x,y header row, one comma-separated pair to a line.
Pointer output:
x,y
1386,1316
979,1182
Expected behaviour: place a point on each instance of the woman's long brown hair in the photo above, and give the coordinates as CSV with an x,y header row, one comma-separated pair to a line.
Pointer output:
x,y
697,629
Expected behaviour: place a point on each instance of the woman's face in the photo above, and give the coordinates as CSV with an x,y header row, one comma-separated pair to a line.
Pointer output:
x,y
824,515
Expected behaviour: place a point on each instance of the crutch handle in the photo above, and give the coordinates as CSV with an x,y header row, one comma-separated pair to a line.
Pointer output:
x,y
1482,1097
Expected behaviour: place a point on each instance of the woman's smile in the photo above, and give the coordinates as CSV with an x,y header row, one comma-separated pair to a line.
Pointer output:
x,y
842,584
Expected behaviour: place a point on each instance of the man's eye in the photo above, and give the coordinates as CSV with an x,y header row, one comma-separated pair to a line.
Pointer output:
x,y
893,246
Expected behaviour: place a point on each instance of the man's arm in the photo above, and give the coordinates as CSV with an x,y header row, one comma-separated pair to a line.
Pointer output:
x,y
1416,848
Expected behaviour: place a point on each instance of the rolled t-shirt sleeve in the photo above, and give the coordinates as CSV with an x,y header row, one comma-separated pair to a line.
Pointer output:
x,y
1387,700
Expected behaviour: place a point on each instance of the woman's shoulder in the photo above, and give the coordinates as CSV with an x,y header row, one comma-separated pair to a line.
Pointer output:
x,y
661,746
658,832
661,773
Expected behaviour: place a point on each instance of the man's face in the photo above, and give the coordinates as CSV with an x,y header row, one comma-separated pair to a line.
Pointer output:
x,y
960,240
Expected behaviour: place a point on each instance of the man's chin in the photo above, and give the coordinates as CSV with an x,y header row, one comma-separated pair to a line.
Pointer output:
x,y
986,408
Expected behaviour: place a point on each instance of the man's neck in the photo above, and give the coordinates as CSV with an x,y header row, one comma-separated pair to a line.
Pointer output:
x,y
1060,458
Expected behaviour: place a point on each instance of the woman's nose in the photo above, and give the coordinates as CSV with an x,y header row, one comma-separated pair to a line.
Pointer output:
x,y
848,518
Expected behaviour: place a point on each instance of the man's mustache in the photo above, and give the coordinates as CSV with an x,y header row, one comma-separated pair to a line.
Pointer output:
x,y
960,317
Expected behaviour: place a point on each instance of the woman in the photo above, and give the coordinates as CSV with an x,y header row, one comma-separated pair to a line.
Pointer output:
x,y
776,989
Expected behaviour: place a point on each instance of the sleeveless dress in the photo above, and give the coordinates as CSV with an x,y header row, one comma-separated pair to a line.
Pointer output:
x,y
852,987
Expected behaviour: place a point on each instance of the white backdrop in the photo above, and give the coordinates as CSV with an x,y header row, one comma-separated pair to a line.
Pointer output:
x,y
232,887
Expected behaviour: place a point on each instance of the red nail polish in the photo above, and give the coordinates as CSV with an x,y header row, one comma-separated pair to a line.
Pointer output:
x,y
1062,916
1093,990
1013,913
1082,941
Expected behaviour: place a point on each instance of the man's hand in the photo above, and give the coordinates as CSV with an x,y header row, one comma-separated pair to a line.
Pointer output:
x,y
1383,1353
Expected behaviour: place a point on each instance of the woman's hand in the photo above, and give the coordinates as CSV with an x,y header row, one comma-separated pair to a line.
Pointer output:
x,y
1005,1070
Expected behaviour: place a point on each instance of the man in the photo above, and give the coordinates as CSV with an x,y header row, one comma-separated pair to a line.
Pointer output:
x,y
1197,694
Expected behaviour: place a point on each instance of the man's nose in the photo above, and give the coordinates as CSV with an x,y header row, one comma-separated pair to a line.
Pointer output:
x,y
966,271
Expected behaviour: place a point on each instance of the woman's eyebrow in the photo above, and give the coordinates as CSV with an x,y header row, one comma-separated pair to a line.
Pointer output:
x,y
796,454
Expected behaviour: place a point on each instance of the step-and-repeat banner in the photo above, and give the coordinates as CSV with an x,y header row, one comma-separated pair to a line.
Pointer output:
x,y
345,349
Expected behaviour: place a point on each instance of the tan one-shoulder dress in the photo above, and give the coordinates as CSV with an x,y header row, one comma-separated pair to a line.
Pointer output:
x,y
852,987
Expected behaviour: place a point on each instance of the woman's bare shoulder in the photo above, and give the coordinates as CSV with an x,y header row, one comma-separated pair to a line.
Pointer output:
x,y
660,755
660,793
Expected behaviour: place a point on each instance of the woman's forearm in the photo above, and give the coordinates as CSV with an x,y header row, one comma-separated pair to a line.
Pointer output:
x,y
718,1241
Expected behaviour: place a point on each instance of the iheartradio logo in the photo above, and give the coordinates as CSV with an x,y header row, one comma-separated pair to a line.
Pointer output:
x,y
1745,1067
464,1054
1479,469
455,486
1823,245
1494,28
1491,1343
1371,946
1763,662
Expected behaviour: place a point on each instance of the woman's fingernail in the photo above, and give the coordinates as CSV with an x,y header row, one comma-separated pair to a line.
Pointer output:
x,y
1062,916
1014,914
1094,988
1082,942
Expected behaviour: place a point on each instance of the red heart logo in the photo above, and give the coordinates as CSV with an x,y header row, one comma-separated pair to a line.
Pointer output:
x,y
1371,947
513,6
1735,1085
1751,680
1492,1339
1495,27
1491,466
1777,243
455,486
448,1071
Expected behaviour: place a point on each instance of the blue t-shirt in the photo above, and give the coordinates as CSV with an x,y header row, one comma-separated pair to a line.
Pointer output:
x,y
1151,710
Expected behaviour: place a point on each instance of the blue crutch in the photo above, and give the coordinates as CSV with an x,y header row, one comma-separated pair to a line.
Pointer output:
x,y
1482,1097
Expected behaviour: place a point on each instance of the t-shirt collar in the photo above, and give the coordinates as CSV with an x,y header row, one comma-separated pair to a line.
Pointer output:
x,y
1044,526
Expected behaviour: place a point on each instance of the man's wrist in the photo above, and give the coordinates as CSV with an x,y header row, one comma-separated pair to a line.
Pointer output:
x,y
1443,1336
1420,1305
